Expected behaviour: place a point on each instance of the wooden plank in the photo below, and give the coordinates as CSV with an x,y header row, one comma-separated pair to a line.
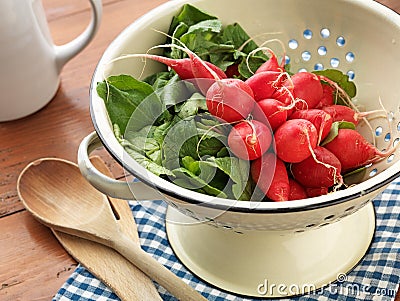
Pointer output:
x,y
34,265
393,4
56,9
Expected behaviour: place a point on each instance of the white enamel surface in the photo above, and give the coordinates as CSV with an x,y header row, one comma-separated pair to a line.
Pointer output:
x,y
267,264
30,63
376,66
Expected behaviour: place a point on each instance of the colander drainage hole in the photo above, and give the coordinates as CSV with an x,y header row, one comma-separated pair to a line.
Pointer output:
x,y
325,33
340,41
329,217
318,67
373,172
307,34
351,74
390,158
323,225
322,50
293,44
306,56
378,131
350,208
310,225
350,57
335,62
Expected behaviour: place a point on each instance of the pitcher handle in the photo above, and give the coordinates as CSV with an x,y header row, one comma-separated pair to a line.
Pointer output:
x,y
132,190
67,51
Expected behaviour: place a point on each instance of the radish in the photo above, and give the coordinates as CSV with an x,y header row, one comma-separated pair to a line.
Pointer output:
x,y
264,84
187,68
327,99
297,192
295,140
272,111
314,192
249,140
343,113
321,170
277,188
230,99
306,86
320,119
232,71
270,65
353,150
192,68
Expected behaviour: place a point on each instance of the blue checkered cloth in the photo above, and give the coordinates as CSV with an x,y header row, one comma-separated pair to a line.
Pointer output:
x,y
377,277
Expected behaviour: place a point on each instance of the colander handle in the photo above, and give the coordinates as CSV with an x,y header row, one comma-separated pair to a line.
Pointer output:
x,y
114,188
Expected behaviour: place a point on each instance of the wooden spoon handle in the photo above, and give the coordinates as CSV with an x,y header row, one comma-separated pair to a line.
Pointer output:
x,y
155,270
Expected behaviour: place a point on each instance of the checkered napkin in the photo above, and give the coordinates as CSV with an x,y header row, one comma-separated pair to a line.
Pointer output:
x,y
377,277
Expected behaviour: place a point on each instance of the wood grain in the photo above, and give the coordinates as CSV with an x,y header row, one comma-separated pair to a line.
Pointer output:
x,y
33,265
128,282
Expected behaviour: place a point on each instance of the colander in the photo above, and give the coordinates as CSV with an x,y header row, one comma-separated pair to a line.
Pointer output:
x,y
247,247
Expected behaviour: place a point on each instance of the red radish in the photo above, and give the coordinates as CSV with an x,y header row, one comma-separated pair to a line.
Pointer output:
x,y
342,113
187,68
320,119
297,192
249,140
270,65
264,84
314,192
295,140
323,170
284,94
277,188
271,110
328,94
307,86
353,150
232,71
230,99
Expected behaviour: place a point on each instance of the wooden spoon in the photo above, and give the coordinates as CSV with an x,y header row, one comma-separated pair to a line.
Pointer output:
x,y
56,194
126,280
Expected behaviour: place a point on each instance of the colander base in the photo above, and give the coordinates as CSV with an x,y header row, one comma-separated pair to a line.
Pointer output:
x,y
271,264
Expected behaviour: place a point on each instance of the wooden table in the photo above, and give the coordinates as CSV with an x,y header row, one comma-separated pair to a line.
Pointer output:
x,y
33,265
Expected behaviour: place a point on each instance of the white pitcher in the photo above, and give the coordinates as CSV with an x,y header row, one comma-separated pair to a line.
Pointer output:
x,y
30,63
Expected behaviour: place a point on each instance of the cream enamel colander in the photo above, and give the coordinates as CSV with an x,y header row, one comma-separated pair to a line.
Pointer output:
x,y
237,245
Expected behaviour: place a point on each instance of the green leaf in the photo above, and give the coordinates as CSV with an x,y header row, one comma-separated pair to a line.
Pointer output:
x,y
235,35
248,67
173,91
189,15
335,130
136,151
148,163
122,95
239,171
355,176
214,26
189,180
341,79
180,141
